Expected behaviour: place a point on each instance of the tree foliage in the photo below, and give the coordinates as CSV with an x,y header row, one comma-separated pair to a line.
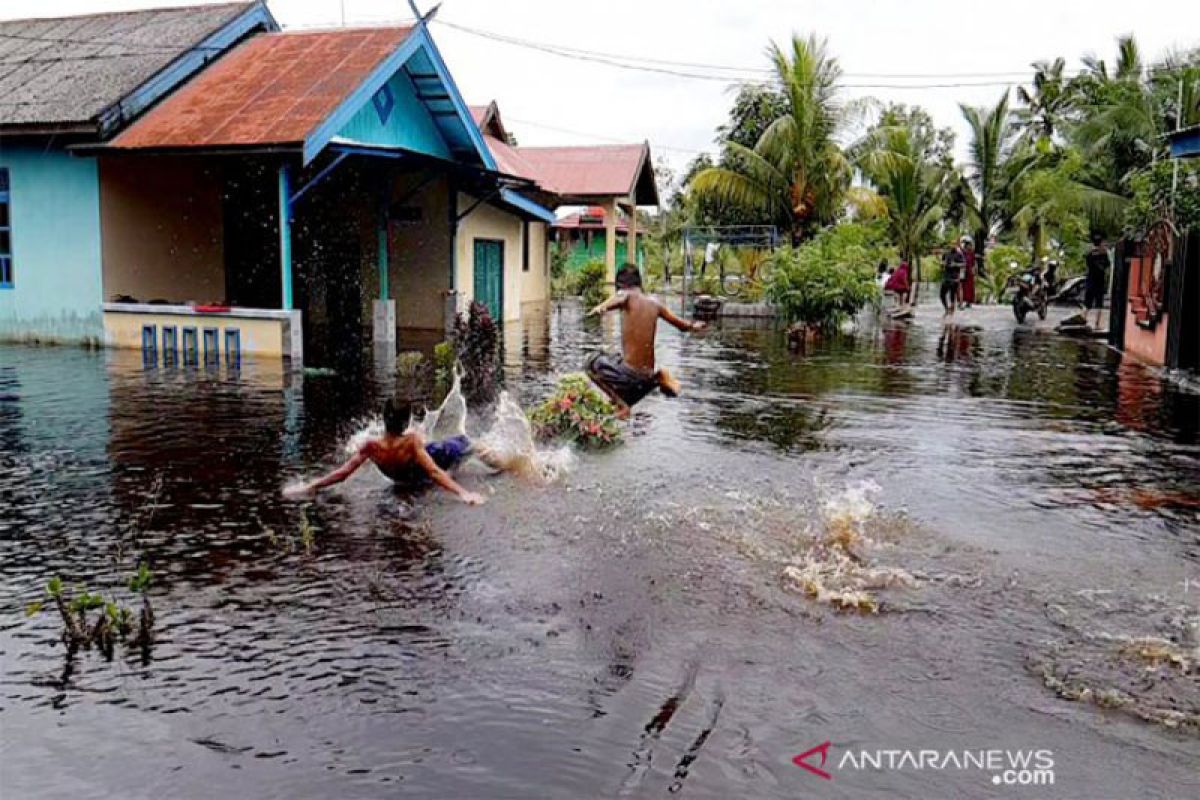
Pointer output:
x,y
828,278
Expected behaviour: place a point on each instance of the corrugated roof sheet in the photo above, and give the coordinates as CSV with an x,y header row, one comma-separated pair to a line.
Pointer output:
x,y
592,171
272,89
70,69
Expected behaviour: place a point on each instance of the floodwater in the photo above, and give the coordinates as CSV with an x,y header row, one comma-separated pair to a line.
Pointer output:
x,y
639,628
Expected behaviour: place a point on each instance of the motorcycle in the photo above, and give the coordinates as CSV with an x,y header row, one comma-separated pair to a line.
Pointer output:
x,y
1030,295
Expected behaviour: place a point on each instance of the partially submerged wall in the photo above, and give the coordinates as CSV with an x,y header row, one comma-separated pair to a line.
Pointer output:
x,y
55,219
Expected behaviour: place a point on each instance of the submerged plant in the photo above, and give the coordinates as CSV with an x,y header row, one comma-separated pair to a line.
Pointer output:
x,y
577,412
115,621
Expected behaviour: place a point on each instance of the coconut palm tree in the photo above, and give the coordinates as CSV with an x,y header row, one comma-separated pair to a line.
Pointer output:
x,y
795,175
912,187
1045,103
989,150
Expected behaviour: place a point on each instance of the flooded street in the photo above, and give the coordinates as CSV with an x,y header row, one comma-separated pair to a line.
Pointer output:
x,y
639,628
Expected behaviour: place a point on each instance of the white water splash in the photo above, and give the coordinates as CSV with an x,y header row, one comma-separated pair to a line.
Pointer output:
x,y
509,445
447,420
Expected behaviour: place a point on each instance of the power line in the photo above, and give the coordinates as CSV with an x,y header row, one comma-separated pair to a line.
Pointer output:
x,y
600,137
686,69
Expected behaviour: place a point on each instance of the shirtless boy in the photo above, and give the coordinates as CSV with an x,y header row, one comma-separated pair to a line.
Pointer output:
x,y
629,377
403,455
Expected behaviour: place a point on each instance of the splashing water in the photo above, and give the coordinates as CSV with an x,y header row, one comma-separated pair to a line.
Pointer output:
x,y
447,420
834,570
509,445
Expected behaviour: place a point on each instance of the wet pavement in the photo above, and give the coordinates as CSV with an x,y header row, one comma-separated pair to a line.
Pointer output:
x,y
635,630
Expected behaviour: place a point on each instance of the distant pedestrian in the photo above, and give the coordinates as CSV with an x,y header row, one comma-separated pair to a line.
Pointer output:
x,y
968,285
898,285
953,263
1096,286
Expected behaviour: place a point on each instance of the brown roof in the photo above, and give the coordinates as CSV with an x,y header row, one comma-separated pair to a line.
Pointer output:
x,y
81,71
275,88
595,171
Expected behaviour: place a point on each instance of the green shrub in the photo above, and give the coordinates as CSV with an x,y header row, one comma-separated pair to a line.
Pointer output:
x,y
589,283
829,278
477,348
558,261
576,412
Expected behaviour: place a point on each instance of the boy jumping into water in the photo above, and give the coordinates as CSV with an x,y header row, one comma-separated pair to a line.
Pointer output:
x,y
629,377
403,455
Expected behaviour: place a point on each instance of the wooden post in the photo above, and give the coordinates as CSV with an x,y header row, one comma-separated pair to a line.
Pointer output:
x,y
631,242
610,242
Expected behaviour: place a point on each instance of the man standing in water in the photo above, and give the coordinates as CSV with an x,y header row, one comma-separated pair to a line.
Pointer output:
x,y
629,377
952,268
1096,285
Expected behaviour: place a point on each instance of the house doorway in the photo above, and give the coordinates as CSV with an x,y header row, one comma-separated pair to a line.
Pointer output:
x,y
489,276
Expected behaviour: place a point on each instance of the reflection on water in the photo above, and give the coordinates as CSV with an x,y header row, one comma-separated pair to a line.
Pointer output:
x,y
631,630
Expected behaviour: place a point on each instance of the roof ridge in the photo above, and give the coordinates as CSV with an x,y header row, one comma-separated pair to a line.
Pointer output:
x,y
130,12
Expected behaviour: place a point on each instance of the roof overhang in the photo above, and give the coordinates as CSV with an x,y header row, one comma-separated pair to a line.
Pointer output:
x,y
437,91
526,207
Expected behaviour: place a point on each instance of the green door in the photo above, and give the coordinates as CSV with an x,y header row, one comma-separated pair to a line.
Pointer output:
x,y
489,275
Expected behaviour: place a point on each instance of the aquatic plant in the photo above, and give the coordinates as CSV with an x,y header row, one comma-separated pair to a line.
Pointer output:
x,y
477,348
114,623
577,412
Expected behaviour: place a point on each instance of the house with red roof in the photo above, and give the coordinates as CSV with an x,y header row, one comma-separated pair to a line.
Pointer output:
x,y
609,181
299,193
306,191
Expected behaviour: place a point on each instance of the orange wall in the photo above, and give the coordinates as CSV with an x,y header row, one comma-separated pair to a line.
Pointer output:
x,y
1148,345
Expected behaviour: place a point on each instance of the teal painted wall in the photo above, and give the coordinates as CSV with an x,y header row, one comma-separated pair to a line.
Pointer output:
x,y
408,124
579,253
55,207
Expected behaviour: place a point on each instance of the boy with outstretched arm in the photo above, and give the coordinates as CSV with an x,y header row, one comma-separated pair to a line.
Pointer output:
x,y
629,377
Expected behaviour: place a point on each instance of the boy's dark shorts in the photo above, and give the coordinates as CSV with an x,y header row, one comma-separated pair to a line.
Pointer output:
x,y
448,453
629,383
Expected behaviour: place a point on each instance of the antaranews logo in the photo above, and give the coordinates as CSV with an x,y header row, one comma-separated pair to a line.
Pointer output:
x,y
1005,767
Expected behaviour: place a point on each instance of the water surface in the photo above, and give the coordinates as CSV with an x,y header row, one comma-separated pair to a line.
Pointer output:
x,y
630,631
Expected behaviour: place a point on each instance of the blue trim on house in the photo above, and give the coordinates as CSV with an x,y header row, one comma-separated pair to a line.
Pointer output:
x,y
527,205
324,133
456,98
182,68
1186,144
418,40
285,236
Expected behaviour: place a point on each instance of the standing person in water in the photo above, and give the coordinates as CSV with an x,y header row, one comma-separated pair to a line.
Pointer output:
x,y
952,268
629,377
1096,282
403,455
968,284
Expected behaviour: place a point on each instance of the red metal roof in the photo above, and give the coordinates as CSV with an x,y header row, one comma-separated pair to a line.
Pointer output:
x,y
274,88
592,171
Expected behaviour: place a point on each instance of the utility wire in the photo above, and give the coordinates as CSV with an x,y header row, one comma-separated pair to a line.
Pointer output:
x,y
686,69
600,137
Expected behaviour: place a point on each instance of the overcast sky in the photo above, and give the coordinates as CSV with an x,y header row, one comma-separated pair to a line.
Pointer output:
x,y
590,102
